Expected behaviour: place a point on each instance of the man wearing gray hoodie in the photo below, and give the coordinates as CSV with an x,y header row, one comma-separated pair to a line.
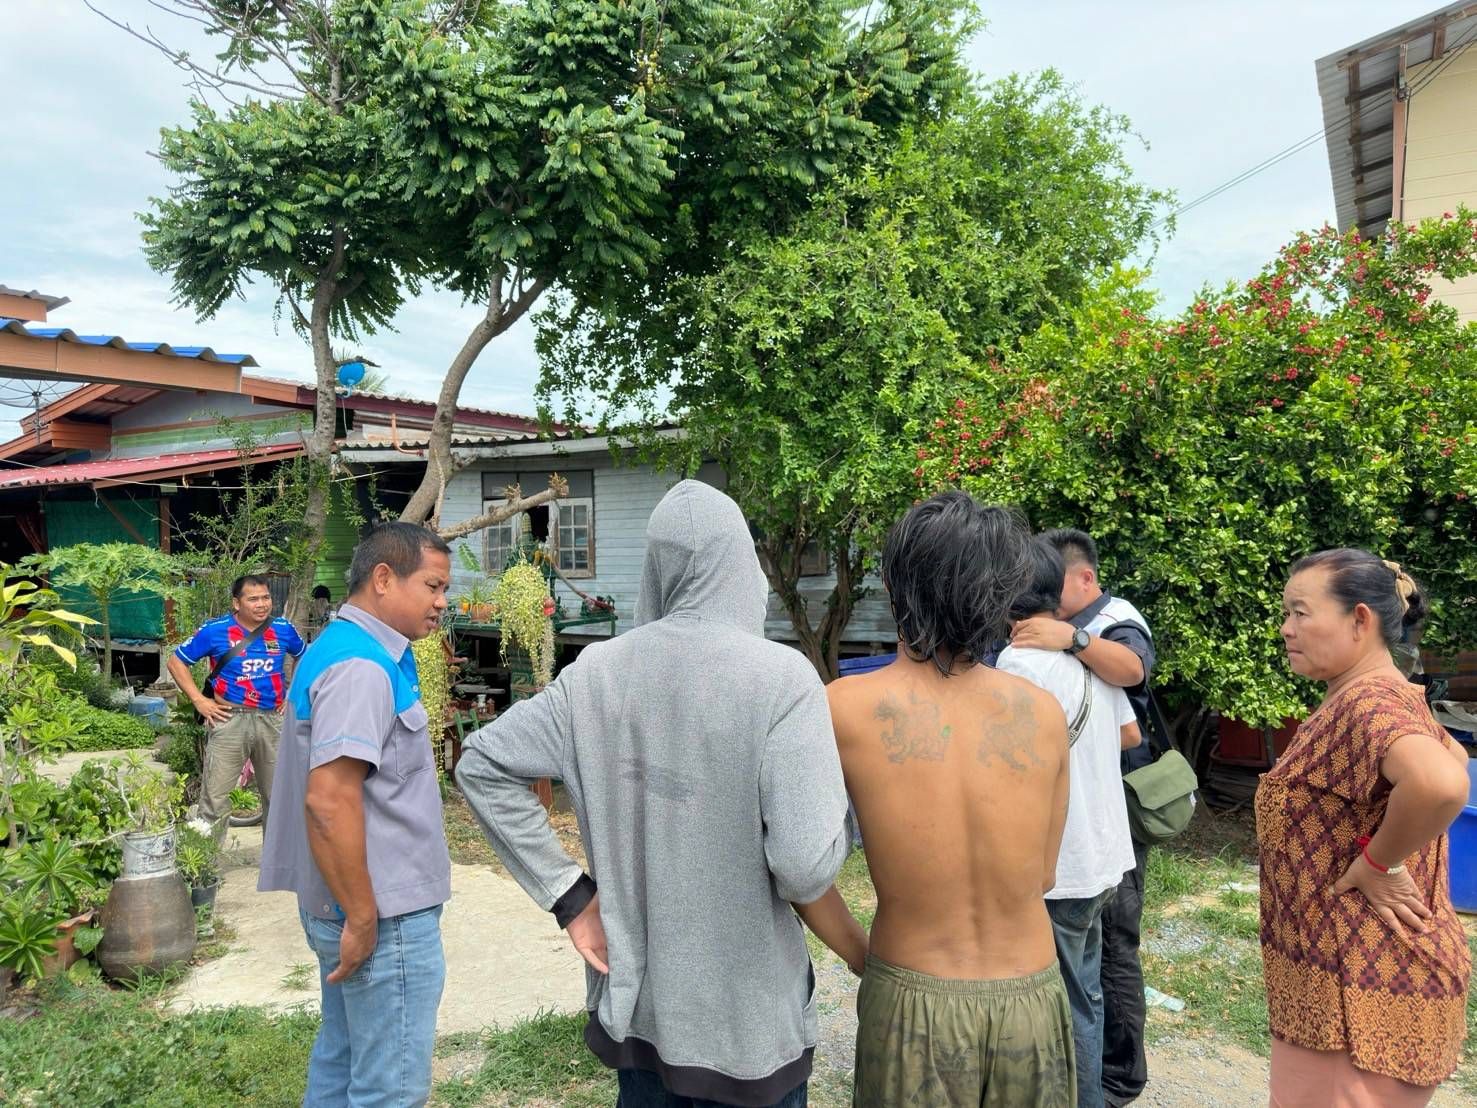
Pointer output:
x,y
702,768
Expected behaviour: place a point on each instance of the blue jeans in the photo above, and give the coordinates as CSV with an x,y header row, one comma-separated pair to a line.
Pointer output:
x,y
379,1026
1077,926
644,1089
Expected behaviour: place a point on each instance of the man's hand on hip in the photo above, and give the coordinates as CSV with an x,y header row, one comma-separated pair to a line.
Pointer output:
x,y
213,710
1042,633
587,934
356,944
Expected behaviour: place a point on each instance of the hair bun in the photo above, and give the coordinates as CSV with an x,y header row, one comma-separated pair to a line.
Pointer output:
x,y
1413,606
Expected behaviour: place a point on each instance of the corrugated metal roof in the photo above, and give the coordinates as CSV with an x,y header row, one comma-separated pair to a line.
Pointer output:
x,y
422,441
66,334
46,299
1357,87
135,469
400,398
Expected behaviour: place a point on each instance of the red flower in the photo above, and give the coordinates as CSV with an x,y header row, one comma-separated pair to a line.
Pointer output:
x,y
1355,379
1292,373
1276,401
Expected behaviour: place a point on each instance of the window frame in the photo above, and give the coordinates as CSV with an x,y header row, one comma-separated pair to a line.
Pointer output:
x,y
491,568
557,525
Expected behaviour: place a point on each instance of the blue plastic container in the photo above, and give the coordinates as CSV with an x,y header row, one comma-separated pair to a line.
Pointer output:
x,y
153,708
1463,859
853,667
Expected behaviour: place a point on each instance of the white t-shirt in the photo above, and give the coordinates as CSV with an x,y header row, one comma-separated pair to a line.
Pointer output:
x,y
1097,848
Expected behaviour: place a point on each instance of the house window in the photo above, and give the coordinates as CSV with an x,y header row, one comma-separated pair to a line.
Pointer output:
x,y
499,540
575,537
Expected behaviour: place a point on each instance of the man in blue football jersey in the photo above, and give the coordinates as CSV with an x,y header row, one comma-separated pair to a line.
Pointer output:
x,y
243,696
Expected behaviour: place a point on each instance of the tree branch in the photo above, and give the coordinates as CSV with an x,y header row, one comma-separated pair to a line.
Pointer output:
x,y
558,489
212,77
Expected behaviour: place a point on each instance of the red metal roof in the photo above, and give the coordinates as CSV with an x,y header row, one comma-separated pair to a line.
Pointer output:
x,y
113,471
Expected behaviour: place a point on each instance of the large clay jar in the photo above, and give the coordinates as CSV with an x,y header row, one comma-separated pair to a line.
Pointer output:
x,y
148,926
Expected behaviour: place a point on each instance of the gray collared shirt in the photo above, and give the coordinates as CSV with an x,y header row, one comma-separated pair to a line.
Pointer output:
x,y
354,717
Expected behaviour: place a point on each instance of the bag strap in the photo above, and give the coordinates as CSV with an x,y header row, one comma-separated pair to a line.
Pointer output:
x,y
1079,721
1091,612
236,651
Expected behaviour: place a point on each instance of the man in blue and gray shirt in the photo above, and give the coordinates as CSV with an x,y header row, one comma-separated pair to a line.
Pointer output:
x,y
356,828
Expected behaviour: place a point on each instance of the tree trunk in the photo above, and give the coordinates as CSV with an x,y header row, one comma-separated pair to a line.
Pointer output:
x,y
780,555
319,447
107,628
424,505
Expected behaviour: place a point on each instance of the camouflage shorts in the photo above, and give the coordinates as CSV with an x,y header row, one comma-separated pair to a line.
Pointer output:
x,y
932,1043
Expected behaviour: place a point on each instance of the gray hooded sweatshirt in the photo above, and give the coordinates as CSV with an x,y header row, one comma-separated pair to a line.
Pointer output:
x,y
702,768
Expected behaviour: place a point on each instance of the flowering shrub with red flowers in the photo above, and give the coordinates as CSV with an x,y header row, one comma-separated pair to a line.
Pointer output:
x,y
1329,401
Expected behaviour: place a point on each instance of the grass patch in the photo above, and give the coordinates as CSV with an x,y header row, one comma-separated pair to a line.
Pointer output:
x,y
95,1046
300,977
1221,984
540,1060
1229,923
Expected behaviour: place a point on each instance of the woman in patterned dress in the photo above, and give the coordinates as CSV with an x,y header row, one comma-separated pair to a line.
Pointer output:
x,y
1366,962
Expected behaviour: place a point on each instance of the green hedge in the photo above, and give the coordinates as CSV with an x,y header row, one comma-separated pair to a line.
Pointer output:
x,y
99,729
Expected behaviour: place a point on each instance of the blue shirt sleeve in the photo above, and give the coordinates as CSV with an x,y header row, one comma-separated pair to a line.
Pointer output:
x,y
292,642
197,646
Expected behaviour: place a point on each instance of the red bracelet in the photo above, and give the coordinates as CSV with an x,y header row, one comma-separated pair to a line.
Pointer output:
x,y
1364,849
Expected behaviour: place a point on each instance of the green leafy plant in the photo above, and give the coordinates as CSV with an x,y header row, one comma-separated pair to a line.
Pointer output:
x,y
151,799
198,858
102,729
434,672
106,572
29,621
54,873
27,935
809,360
86,679
1331,400
181,751
524,611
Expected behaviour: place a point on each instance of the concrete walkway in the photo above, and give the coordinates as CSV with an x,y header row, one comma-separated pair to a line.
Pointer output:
x,y
505,959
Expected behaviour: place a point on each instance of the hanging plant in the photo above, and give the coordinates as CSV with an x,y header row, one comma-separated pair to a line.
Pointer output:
x,y
434,671
525,615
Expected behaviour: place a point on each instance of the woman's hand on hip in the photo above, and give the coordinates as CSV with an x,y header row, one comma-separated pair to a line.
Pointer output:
x,y
1393,896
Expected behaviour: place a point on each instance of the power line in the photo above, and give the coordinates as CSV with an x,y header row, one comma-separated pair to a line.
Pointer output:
x,y
1302,144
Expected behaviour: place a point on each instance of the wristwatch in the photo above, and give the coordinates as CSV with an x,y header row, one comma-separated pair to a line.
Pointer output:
x,y
1081,640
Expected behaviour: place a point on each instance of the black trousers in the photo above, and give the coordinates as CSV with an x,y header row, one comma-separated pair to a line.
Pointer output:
x,y
1125,1069
644,1089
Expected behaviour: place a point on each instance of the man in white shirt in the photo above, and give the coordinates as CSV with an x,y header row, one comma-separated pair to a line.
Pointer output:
x,y
1115,643
1097,848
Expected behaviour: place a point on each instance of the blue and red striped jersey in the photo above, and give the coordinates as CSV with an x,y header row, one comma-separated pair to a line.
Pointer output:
x,y
254,678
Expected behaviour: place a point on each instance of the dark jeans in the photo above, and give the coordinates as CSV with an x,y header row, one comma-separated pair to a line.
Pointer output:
x,y
1077,926
1125,1069
644,1089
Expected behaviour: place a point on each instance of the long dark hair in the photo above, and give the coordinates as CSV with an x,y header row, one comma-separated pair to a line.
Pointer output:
x,y
1359,577
952,567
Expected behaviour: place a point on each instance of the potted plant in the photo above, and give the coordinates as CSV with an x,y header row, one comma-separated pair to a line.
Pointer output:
x,y
152,799
27,938
148,920
53,875
198,857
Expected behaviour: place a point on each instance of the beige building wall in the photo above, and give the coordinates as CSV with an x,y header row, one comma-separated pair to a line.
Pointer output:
x,y
1441,155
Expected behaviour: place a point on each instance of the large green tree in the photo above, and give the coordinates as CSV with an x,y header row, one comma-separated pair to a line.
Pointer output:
x,y
502,149
1331,400
808,363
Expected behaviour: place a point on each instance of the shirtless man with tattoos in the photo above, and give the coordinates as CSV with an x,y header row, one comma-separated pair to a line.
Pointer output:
x,y
959,777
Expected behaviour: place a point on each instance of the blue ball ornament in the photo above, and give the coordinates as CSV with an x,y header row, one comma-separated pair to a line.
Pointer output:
x,y
350,374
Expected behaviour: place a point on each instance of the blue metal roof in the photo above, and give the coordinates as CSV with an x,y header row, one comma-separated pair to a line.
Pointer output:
x,y
66,334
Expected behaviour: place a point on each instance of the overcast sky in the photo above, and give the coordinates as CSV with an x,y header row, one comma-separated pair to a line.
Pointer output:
x,y
1212,87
